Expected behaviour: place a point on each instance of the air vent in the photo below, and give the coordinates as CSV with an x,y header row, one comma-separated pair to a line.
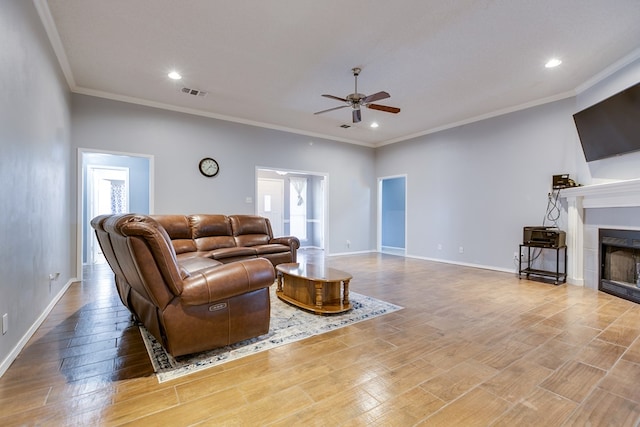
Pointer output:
x,y
194,92
345,126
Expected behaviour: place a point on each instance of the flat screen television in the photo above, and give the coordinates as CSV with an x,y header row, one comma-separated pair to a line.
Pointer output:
x,y
610,127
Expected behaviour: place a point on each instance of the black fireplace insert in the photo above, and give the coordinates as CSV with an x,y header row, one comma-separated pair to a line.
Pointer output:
x,y
620,263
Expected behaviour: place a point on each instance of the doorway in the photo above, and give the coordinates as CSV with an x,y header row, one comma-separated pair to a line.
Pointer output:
x,y
295,203
392,215
107,193
109,182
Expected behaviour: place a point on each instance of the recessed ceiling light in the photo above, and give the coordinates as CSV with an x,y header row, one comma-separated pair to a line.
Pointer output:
x,y
552,63
174,75
374,125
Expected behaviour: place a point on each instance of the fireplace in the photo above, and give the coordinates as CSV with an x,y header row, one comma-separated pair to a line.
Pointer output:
x,y
620,263
583,248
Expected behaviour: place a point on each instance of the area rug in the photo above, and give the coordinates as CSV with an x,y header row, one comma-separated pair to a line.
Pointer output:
x,y
288,324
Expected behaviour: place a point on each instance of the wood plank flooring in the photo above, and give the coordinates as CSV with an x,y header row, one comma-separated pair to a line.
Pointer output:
x,y
472,347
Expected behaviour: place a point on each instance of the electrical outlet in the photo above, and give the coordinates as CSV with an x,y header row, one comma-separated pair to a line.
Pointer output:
x,y
461,249
515,256
5,323
348,243
439,246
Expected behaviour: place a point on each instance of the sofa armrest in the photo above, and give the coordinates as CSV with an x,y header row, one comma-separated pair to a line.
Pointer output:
x,y
291,241
226,281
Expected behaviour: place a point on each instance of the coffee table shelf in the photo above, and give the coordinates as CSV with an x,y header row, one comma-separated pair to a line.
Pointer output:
x,y
312,287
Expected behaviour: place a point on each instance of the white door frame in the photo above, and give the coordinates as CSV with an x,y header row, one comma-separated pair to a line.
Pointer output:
x,y
325,199
80,228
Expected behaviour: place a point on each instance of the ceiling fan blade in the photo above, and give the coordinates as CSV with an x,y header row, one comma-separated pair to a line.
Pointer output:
x,y
375,97
384,108
337,98
331,109
357,117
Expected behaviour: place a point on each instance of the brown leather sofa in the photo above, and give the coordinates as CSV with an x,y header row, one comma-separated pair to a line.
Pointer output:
x,y
227,238
191,303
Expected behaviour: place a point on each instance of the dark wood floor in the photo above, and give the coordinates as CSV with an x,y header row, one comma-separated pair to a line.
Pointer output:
x,y
471,347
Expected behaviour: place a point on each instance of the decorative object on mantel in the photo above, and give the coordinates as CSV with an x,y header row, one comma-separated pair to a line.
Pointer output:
x,y
559,182
288,325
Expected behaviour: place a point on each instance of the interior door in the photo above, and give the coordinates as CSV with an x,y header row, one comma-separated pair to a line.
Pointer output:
x,y
271,203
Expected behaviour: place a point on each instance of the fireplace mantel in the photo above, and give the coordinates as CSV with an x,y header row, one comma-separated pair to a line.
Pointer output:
x,y
618,194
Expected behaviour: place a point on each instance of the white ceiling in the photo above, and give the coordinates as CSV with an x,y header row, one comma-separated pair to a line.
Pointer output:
x,y
266,62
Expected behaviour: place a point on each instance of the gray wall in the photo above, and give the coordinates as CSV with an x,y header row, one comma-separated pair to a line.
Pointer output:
x,y
477,185
35,166
178,142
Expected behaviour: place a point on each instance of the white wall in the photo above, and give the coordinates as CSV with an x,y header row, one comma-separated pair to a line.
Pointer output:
x,y
477,185
35,227
178,141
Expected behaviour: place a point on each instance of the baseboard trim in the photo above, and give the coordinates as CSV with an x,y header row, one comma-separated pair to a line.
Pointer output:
x,y
13,354
465,264
575,281
351,253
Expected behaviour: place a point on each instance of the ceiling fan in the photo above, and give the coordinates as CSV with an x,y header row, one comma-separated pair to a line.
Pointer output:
x,y
357,100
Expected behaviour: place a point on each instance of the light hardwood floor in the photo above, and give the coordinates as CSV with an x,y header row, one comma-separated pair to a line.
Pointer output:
x,y
471,347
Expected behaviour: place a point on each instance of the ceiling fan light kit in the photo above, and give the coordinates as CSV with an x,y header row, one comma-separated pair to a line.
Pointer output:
x,y
357,100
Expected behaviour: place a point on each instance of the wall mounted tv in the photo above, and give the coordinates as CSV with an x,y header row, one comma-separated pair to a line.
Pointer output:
x,y
610,127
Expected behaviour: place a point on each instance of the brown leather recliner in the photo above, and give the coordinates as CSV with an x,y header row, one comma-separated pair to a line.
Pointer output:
x,y
191,306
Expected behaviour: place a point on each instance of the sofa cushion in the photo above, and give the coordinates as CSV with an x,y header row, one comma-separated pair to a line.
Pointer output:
x,y
235,252
251,230
194,264
211,232
178,229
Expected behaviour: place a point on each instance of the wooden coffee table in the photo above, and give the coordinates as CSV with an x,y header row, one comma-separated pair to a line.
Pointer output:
x,y
313,287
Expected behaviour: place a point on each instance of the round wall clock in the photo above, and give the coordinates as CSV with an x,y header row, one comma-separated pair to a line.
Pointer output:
x,y
208,167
